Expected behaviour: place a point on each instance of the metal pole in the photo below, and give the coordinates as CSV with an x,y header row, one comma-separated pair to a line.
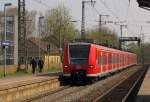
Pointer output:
x,y
4,41
120,41
121,30
83,21
5,32
83,18
39,37
60,28
100,21
142,49
40,34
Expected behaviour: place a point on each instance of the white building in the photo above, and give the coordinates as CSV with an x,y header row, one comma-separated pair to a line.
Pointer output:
x,y
11,35
12,32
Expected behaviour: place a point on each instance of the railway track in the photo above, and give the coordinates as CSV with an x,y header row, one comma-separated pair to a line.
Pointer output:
x,y
90,93
126,90
36,97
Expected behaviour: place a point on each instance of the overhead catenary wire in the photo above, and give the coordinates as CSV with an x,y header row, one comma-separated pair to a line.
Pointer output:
x,y
42,3
115,15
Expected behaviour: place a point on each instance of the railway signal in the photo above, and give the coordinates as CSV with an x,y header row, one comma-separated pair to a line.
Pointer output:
x,y
123,39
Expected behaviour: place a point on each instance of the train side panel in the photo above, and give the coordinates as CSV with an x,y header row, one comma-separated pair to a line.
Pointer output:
x,y
92,70
101,61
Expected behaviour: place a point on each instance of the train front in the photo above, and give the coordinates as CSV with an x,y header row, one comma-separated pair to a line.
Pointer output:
x,y
76,60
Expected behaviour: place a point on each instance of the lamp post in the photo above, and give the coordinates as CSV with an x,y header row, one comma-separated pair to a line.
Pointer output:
x,y
5,32
40,18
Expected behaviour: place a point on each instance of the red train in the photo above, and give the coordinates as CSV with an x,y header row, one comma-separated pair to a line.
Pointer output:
x,y
90,61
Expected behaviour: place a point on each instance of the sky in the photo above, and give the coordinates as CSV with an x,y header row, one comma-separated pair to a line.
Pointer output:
x,y
118,11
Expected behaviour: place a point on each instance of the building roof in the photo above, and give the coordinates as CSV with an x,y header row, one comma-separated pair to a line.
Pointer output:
x,y
38,42
11,11
44,45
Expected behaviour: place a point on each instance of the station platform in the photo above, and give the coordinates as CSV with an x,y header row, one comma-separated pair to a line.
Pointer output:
x,y
144,91
16,88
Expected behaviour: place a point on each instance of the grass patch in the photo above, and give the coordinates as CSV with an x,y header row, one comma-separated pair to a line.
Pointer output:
x,y
17,73
54,69
23,72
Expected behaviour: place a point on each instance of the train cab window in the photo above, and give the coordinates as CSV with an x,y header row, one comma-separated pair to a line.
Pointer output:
x,y
79,54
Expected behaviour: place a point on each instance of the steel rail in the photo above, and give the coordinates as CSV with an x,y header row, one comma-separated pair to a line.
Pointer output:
x,y
134,85
44,94
115,87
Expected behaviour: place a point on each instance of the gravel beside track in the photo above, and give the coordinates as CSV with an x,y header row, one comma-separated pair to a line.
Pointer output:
x,y
87,93
124,91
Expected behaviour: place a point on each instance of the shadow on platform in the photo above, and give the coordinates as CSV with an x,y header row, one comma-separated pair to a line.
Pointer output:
x,y
142,98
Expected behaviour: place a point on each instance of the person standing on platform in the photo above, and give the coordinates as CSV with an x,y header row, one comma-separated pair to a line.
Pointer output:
x,y
40,65
33,64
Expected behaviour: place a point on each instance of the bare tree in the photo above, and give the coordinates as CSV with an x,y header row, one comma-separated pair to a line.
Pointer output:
x,y
30,23
58,26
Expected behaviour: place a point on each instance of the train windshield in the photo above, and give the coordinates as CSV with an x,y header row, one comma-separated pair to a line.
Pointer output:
x,y
79,54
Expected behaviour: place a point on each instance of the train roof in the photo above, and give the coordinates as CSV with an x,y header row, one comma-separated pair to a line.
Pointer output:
x,y
80,43
99,46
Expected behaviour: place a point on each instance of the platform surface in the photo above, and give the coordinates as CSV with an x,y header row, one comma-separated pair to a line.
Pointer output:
x,y
144,92
26,79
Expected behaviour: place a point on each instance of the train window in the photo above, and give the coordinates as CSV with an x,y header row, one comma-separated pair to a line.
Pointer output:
x,y
123,59
106,61
100,60
79,54
117,58
109,60
114,58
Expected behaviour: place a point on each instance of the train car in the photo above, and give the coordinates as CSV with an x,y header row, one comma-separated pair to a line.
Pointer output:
x,y
90,61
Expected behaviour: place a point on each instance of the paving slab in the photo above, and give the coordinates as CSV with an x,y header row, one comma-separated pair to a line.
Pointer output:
x,y
18,88
144,92
10,82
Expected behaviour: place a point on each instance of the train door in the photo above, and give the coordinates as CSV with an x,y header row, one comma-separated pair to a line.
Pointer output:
x,y
99,61
112,59
109,61
107,64
115,65
119,61
66,68
126,59
104,61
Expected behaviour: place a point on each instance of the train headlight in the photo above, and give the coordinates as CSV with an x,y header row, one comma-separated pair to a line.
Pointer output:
x,y
91,66
65,66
